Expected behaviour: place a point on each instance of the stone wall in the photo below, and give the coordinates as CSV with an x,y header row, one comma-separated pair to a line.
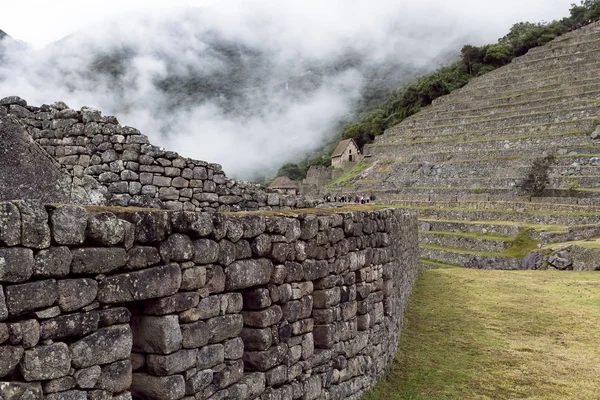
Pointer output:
x,y
113,164
100,303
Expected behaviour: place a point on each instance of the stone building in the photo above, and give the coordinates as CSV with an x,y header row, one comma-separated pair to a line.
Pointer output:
x,y
347,151
284,185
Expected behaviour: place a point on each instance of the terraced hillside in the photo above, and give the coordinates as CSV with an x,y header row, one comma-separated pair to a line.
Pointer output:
x,y
460,161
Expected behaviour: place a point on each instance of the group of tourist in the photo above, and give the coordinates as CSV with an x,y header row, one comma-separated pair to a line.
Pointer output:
x,y
580,25
365,199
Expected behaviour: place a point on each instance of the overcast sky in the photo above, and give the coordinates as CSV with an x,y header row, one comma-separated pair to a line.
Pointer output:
x,y
39,22
169,38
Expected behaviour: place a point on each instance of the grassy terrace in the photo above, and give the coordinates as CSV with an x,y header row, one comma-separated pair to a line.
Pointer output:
x,y
484,140
521,245
470,235
474,334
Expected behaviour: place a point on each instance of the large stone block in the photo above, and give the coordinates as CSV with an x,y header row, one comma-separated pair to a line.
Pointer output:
x,y
164,365
247,273
256,339
140,285
192,223
177,247
98,260
30,296
115,377
225,327
150,226
74,294
263,318
46,362
265,360
105,346
172,304
195,335
21,391
140,257
206,251
160,335
16,264
150,387
210,356
54,262
9,359
68,225
105,228
35,232
10,224
72,325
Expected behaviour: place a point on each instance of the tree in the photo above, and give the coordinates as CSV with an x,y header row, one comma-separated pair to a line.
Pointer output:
x,y
292,171
538,177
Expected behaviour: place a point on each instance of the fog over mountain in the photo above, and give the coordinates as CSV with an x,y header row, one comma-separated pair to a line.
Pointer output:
x,y
251,86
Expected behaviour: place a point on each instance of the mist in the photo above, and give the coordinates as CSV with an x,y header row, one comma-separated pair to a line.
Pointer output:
x,y
254,84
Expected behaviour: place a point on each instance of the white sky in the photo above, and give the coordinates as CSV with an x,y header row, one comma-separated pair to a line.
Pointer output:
x,y
39,22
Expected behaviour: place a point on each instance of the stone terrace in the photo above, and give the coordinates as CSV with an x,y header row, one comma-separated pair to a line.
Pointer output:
x,y
459,162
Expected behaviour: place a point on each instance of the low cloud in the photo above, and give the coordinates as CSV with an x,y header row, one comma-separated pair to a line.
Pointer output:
x,y
254,84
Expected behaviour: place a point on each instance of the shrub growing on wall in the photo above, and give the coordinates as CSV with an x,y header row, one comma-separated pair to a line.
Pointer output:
x,y
538,177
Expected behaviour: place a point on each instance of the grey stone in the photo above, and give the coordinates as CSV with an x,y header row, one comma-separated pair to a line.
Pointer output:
x,y
160,335
195,335
234,349
59,384
150,227
71,325
10,224
225,327
30,296
51,312
172,304
230,375
140,285
140,257
114,316
46,362
193,278
210,356
174,363
256,299
150,387
35,232
193,224
216,279
261,245
87,378
105,346
54,262
105,228
115,377
256,339
31,333
16,264
68,395
198,381
263,318
97,260
276,376
206,251
247,273
68,225
265,360
74,294
20,391
9,359
177,247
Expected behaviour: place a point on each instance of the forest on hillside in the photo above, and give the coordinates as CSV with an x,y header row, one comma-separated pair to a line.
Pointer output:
x,y
473,61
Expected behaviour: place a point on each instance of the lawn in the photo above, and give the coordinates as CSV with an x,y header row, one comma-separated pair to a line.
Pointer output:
x,y
478,334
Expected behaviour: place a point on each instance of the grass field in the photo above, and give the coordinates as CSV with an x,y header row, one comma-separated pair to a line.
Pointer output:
x,y
476,334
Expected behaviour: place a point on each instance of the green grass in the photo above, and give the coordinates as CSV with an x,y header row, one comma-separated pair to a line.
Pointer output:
x,y
475,334
437,264
472,235
350,175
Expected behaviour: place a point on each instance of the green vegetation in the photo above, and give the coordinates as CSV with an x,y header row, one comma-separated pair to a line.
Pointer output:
x,y
350,175
472,235
474,334
538,177
437,264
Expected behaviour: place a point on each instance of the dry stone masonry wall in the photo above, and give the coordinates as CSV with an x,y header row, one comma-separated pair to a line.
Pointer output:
x,y
172,305
113,164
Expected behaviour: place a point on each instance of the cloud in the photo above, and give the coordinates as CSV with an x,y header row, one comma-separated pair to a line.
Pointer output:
x,y
250,84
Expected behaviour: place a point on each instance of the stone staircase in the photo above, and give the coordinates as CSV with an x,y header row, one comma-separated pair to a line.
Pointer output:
x,y
460,160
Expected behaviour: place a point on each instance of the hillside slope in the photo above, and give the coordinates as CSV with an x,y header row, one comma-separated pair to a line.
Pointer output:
x,y
462,158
